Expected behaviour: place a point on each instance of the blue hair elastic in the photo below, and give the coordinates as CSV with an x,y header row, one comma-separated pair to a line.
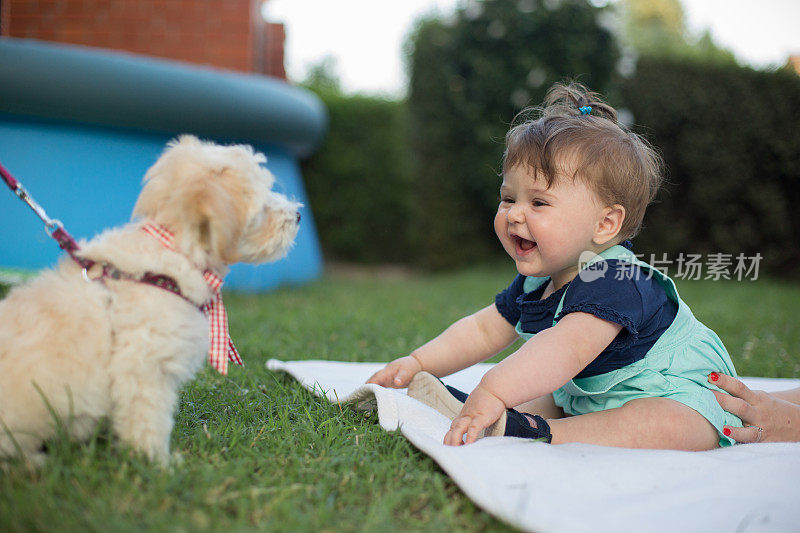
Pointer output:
x,y
585,110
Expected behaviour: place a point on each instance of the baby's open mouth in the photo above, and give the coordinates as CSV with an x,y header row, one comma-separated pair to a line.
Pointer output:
x,y
523,245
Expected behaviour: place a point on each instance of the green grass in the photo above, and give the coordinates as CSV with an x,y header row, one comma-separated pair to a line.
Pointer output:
x,y
261,453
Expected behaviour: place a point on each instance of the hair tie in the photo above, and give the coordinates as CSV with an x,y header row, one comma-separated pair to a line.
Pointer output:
x,y
585,110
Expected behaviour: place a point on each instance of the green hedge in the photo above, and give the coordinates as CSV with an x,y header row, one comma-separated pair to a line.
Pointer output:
x,y
731,142
358,181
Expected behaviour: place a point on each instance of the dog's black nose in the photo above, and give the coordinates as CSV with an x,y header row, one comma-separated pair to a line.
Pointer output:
x,y
298,217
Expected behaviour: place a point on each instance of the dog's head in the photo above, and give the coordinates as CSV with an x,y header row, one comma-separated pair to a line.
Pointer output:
x,y
218,202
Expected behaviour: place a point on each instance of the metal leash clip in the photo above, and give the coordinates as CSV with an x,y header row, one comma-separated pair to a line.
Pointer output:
x,y
51,225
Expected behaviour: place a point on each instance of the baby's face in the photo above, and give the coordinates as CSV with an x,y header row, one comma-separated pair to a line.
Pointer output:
x,y
545,229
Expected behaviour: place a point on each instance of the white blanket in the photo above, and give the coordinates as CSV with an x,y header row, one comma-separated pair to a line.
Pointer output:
x,y
580,487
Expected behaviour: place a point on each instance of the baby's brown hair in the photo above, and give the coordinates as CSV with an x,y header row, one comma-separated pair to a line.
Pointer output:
x,y
576,124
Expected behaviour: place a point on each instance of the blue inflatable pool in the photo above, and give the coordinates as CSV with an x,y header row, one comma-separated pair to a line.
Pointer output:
x,y
79,127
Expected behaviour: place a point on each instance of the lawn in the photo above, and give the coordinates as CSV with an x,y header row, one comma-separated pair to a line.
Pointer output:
x,y
259,452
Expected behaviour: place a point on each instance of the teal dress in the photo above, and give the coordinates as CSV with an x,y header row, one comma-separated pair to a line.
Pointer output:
x,y
675,367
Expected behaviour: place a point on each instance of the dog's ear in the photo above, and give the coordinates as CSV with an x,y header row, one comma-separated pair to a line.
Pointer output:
x,y
214,214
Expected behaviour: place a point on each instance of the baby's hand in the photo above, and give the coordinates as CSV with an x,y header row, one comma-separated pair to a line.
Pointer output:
x,y
481,410
397,374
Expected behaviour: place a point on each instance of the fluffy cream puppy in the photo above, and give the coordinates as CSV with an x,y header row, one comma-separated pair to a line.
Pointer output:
x,y
77,347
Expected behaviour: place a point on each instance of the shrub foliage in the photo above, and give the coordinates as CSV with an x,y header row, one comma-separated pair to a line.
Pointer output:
x,y
731,145
358,181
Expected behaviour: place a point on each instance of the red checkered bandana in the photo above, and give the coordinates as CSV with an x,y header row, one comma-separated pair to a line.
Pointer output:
x,y
221,346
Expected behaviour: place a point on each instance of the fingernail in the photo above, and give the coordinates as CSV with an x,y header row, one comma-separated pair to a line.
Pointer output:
x,y
714,376
727,432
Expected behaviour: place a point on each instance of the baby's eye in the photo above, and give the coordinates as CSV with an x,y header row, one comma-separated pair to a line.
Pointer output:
x,y
538,203
506,200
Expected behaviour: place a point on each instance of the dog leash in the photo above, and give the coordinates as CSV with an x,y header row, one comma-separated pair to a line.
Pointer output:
x,y
54,228
66,242
221,347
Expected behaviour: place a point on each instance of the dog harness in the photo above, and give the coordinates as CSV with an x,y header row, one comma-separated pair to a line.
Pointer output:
x,y
221,347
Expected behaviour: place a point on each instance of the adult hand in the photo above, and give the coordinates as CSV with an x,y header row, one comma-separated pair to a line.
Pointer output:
x,y
778,419
397,374
480,411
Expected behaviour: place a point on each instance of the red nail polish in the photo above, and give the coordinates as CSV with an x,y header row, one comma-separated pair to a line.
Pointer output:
x,y
727,432
714,376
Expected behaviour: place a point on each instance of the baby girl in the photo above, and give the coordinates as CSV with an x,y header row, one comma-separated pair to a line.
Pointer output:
x,y
611,354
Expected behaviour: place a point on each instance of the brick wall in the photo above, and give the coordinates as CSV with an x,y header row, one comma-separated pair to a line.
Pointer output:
x,y
222,33
271,59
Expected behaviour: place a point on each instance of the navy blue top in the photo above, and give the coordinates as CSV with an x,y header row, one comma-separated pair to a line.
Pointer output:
x,y
640,305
